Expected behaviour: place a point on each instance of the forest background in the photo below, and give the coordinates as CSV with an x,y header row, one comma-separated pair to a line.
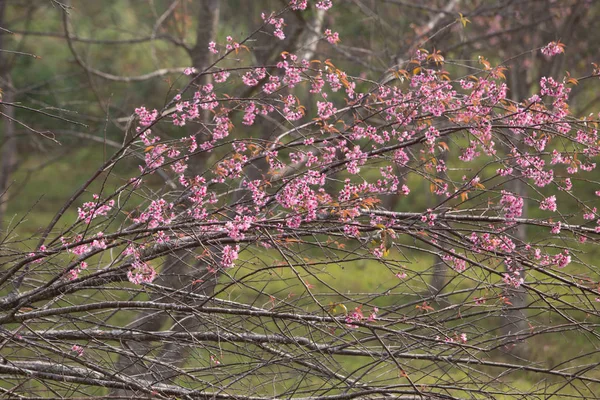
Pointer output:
x,y
72,75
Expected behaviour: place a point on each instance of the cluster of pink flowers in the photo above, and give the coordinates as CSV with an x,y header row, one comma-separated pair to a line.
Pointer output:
x,y
231,44
325,109
512,205
462,338
292,110
299,5
332,37
221,76
252,77
491,242
563,259
552,49
292,72
324,4
74,247
99,242
259,196
357,158
459,265
560,260
250,114
591,214
470,153
159,212
240,224
39,260
77,349
272,85
141,272
92,209
533,167
552,88
317,83
358,316
277,23
401,275
556,228
549,203
230,254
298,196
146,117
74,272
429,217
513,277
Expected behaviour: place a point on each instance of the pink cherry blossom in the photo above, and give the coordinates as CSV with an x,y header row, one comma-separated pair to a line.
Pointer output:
x,y
553,48
549,203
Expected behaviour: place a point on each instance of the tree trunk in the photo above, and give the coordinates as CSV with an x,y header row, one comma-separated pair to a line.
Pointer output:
x,y
440,269
8,152
515,319
177,272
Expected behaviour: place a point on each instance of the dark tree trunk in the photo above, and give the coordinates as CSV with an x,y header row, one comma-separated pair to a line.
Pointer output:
x,y
8,152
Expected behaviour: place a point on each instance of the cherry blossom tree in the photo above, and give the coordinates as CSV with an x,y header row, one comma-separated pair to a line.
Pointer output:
x,y
274,228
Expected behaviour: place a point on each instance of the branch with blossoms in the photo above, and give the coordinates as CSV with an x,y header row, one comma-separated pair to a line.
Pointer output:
x,y
276,227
